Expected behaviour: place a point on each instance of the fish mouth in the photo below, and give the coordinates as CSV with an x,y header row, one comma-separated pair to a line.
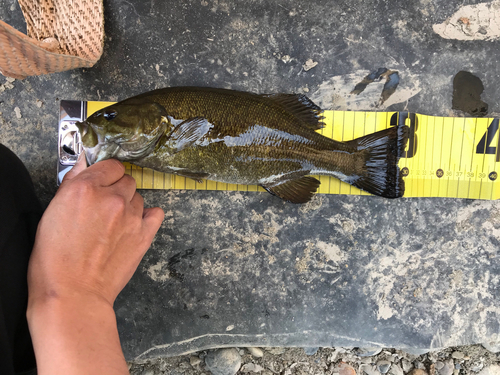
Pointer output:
x,y
95,149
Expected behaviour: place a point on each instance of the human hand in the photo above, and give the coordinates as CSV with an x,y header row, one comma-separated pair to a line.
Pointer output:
x,y
92,236
89,242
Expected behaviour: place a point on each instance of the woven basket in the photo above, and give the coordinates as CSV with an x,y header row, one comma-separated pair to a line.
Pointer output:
x,y
62,35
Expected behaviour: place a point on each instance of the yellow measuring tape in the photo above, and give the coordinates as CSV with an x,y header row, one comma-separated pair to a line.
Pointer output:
x,y
445,156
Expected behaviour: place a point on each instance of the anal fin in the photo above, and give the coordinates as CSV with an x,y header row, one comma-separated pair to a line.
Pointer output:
x,y
295,191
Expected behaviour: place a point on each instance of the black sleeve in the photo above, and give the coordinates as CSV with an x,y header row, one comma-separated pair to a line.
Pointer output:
x,y
20,212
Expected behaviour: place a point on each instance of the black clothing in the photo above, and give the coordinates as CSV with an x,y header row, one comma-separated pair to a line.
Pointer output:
x,y
20,212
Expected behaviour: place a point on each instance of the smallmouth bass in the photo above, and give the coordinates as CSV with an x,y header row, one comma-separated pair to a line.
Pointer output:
x,y
242,138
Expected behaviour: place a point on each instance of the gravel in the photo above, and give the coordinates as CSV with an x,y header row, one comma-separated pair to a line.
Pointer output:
x,y
469,360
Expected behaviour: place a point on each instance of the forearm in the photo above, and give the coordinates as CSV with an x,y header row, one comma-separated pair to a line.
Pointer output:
x,y
75,336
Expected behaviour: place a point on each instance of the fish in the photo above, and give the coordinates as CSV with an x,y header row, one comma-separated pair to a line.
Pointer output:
x,y
245,138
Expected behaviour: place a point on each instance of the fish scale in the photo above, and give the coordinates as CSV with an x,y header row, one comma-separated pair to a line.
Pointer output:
x,y
242,138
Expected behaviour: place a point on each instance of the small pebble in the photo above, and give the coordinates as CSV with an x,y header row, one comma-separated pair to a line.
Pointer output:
x,y
311,351
383,366
433,356
276,351
396,370
344,369
163,366
492,369
493,346
256,352
418,371
148,372
309,64
477,365
39,103
446,368
17,110
368,370
457,355
251,367
419,365
194,360
223,361
416,352
367,352
406,365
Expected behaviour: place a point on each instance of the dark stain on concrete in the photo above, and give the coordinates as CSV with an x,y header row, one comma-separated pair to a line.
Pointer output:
x,y
467,89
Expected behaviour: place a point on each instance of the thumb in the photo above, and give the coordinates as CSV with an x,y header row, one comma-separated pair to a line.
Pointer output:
x,y
80,166
152,219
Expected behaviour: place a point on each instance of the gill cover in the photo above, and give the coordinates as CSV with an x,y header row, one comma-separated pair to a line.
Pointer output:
x,y
125,131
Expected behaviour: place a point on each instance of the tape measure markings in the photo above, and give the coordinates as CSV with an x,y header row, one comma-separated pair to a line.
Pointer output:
x,y
453,171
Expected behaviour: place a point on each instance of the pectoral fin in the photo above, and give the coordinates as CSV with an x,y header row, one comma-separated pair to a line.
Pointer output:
x,y
190,131
295,191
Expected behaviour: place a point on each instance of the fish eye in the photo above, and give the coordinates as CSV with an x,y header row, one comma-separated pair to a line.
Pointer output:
x,y
110,115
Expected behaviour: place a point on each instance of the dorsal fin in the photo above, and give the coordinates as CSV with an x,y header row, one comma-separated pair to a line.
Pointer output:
x,y
300,106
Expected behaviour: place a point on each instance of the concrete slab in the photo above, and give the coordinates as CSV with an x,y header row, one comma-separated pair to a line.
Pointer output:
x,y
245,269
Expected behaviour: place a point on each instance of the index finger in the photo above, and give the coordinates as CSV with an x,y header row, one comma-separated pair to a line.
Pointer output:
x,y
105,172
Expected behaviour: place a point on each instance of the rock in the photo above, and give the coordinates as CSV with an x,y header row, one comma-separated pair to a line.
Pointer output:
x,y
276,351
433,356
439,365
447,368
368,370
367,352
344,369
311,351
309,64
255,352
396,370
477,365
17,110
251,367
406,365
223,361
383,366
492,369
333,357
492,346
419,365
392,358
194,360
457,355
418,371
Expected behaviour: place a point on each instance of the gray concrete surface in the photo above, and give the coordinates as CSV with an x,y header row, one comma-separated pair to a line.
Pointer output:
x,y
238,269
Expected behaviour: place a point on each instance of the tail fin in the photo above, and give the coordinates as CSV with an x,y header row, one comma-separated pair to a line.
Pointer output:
x,y
381,174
